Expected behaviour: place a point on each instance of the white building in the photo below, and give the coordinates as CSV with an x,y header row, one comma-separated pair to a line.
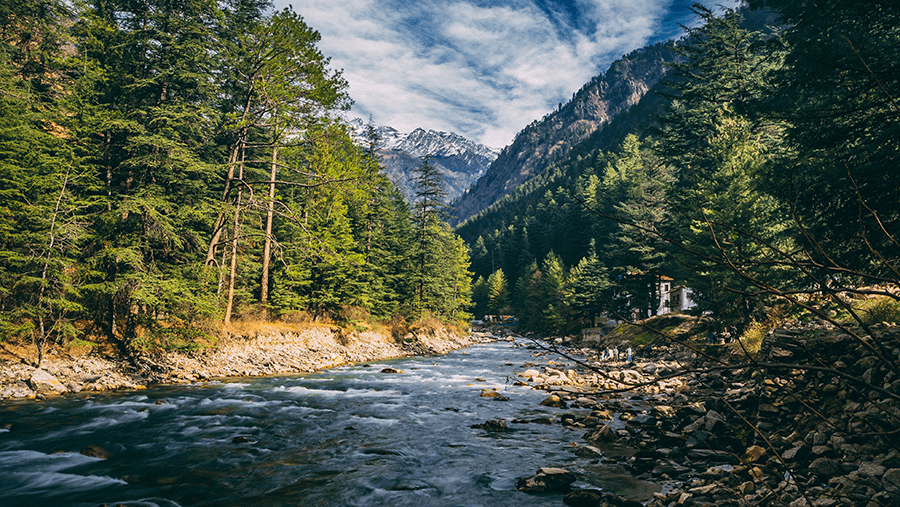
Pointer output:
x,y
673,298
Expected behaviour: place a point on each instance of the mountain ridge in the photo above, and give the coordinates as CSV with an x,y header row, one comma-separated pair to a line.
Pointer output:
x,y
459,161
590,110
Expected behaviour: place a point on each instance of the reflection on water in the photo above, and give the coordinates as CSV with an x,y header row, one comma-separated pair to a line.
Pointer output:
x,y
348,436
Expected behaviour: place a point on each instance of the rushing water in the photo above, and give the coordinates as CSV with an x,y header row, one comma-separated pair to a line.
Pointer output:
x,y
343,437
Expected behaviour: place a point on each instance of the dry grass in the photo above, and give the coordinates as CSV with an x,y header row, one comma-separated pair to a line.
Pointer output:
x,y
751,339
877,309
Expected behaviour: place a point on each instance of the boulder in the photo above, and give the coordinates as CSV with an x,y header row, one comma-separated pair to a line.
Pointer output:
x,y
554,401
588,451
753,453
44,383
391,370
867,469
95,451
797,452
597,498
663,412
491,425
891,480
825,467
603,434
546,480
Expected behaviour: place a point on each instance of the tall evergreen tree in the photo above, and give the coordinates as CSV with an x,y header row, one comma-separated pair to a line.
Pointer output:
x,y
838,91
723,221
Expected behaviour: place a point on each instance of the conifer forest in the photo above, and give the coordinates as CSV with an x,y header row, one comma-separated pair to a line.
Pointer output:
x,y
167,167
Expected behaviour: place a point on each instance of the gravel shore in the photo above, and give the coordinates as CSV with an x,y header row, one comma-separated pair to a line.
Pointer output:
x,y
266,353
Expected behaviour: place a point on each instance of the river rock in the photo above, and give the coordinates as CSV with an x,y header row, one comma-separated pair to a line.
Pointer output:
x,y
44,383
825,467
391,370
753,453
546,480
603,434
597,498
95,451
491,425
489,393
891,480
588,451
553,401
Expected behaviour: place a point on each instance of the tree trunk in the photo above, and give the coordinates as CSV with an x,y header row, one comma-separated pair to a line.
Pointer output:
x,y
220,220
234,244
267,248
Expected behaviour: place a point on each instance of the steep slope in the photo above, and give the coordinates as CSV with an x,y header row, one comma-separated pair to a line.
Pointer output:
x,y
459,161
543,142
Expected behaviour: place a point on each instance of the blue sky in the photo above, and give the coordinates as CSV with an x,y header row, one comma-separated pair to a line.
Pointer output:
x,y
481,68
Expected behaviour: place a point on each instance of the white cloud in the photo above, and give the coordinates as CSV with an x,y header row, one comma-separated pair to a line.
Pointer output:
x,y
481,71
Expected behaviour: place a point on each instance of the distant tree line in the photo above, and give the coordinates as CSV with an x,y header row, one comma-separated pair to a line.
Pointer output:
x,y
767,182
165,166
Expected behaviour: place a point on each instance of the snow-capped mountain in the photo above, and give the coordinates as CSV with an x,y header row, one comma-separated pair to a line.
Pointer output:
x,y
460,161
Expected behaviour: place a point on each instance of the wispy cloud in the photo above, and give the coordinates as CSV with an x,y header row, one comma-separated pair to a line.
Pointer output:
x,y
481,68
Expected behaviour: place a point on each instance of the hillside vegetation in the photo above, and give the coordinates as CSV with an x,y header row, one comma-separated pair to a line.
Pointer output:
x,y
170,167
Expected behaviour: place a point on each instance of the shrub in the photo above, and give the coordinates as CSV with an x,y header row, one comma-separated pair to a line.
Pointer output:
x,y
878,309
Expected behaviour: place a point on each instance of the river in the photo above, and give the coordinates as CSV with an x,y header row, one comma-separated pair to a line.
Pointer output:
x,y
348,436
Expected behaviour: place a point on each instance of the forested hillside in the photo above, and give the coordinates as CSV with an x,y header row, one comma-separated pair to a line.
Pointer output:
x,y
550,139
761,173
169,166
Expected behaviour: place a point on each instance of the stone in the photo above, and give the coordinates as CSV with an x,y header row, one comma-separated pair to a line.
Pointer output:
x,y
95,451
489,393
867,469
597,498
663,411
825,467
546,480
391,370
746,488
644,420
553,401
891,480
588,451
603,434
240,440
753,453
797,452
491,425
44,383
820,450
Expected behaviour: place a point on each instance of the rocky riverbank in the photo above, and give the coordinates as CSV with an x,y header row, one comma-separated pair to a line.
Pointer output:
x,y
268,352
733,433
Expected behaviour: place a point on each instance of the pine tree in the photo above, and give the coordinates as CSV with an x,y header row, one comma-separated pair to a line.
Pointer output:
x,y
838,91
586,285
154,76
43,181
497,292
723,221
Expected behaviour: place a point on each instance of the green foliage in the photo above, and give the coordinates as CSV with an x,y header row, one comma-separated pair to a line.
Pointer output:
x,y
497,293
585,287
178,161
769,174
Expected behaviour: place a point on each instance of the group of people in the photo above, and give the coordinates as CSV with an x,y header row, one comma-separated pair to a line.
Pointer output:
x,y
612,354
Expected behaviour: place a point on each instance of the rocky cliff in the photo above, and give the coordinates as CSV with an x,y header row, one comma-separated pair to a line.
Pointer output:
x,y
591,109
